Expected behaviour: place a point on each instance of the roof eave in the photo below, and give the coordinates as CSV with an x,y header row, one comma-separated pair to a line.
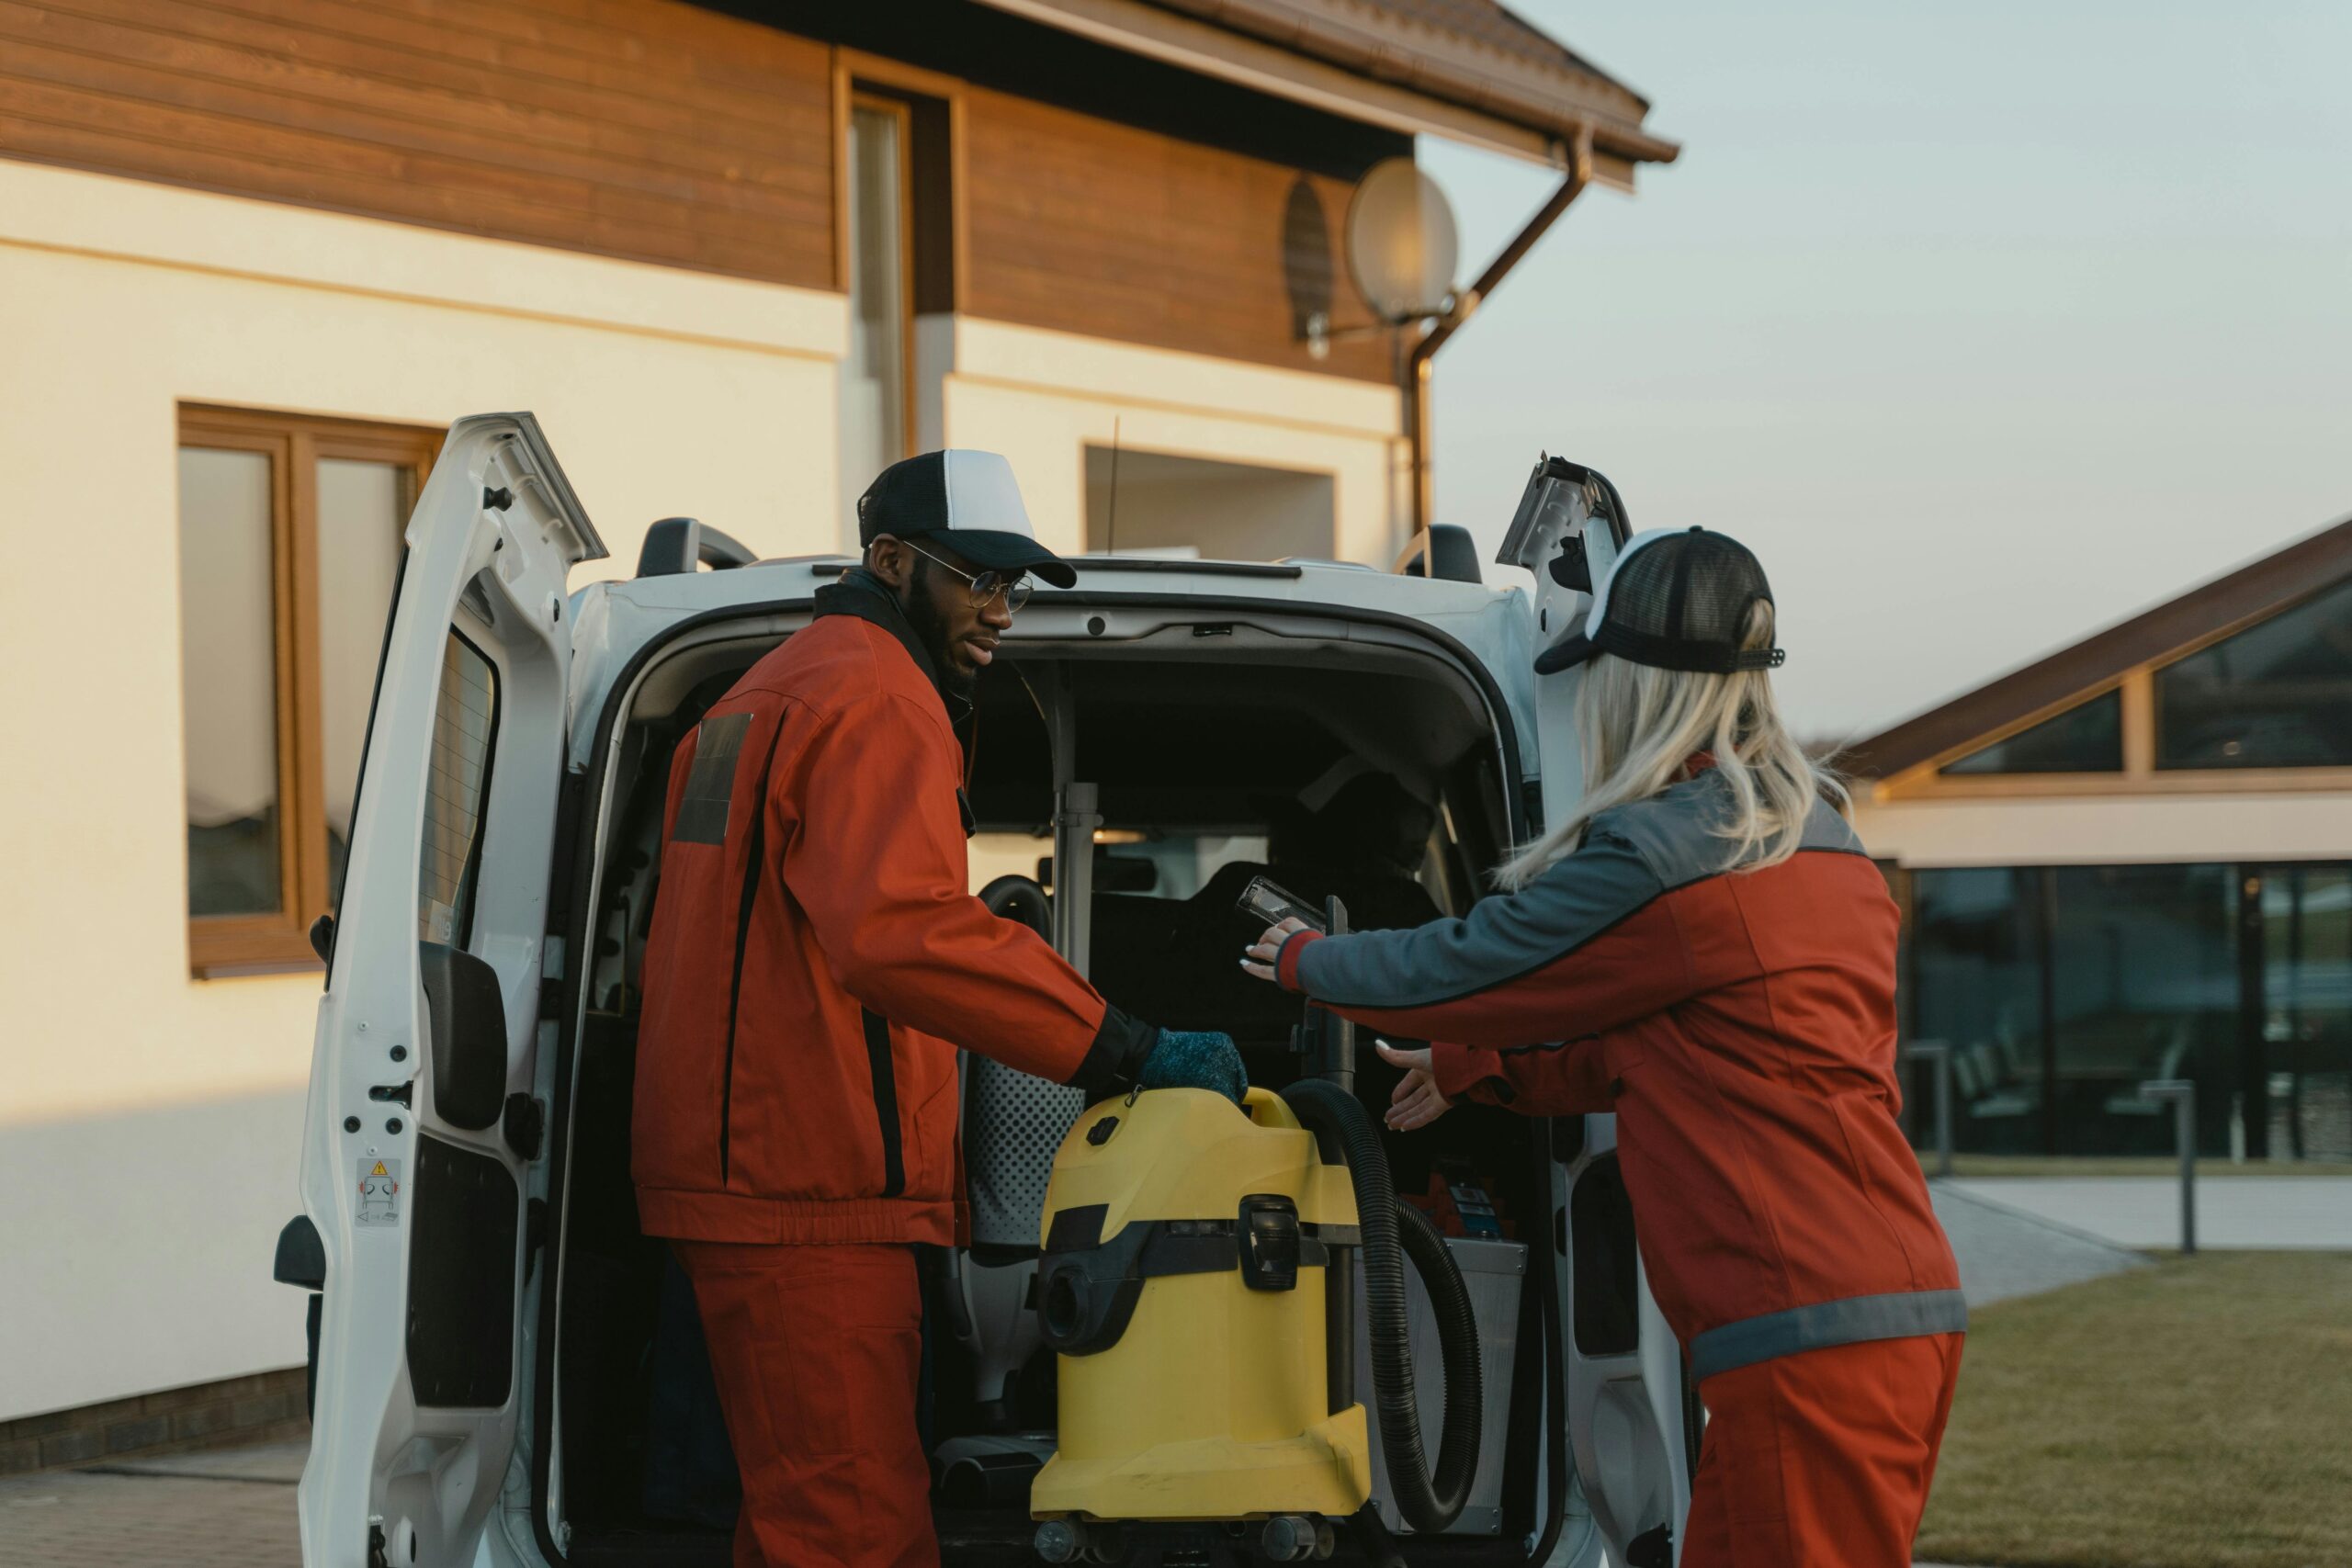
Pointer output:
x,y
1522,113
2259,588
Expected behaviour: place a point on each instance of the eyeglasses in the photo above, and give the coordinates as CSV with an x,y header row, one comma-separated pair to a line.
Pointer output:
x,y
987,585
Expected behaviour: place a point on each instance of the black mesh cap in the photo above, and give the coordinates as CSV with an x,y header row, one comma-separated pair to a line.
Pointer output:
x,y
1674,600
969,501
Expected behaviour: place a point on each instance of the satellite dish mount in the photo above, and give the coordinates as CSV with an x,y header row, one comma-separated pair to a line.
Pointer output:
x,y
1402,248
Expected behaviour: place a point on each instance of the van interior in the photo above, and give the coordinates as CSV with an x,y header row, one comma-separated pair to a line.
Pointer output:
x,y
1342,769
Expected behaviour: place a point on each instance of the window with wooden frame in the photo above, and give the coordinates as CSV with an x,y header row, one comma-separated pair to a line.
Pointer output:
x,y
2276,694
290,536
877,376
895,191
2262,704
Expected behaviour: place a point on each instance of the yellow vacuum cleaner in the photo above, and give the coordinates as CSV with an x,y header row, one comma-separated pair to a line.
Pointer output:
x,y
1197,1283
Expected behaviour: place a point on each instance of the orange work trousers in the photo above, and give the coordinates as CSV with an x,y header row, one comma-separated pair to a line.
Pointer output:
x,y
1823,1459
818,1352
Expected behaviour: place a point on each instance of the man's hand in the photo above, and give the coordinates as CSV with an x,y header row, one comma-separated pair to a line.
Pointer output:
x,y
1195,1059
1269,948
1417,1102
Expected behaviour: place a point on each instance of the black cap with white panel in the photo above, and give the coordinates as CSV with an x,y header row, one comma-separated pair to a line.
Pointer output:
x,y
969,501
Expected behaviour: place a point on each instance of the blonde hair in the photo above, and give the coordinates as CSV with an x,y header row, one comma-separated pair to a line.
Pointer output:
x,y
1639,724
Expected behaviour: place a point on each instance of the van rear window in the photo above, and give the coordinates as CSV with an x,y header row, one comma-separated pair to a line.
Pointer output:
x,y
464,723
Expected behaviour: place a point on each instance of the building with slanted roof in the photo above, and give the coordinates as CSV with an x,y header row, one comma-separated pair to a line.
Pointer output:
x,y
256,258
2132,860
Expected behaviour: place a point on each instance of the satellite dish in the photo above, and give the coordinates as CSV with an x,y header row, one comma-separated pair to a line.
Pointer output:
x,y
1402,245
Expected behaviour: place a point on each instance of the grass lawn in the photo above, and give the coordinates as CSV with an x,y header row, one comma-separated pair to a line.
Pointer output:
x,y
2126,1165
2197,1413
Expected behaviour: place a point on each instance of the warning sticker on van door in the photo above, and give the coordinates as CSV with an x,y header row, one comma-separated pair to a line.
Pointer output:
x,y
379,1192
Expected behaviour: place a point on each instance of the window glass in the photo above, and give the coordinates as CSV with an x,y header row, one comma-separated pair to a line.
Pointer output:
x,y
462,728
1977,982
362,509
2085,738
2306,1010
228,682
2146,975
2278,695
1153,503
874,386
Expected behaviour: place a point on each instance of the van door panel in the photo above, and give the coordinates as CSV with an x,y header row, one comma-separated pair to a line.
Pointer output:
x,y
1626,1423
430,1021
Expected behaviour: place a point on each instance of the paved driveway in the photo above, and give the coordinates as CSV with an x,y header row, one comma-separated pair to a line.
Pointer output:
x,y
229,1510
2003,1251
2258,1213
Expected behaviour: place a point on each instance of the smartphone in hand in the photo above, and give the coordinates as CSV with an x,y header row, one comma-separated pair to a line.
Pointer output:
x,y
1269,904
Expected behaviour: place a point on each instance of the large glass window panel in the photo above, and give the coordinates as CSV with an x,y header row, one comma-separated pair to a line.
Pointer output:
x,y
1977,986
228,682
2278,695
2147,974
873,376
362,507
2306,1010
2085,738
463,727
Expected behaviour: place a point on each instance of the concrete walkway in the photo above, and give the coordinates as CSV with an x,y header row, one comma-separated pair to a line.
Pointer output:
x,y
2004,1252
2259,1213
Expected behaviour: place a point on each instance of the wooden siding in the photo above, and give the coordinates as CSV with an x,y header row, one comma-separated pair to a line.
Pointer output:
x,y
1085,226
639,129
663,132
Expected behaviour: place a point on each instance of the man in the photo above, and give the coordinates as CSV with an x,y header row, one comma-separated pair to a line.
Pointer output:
x,y
815,960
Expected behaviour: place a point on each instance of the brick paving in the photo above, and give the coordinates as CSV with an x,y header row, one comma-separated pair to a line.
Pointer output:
x,y
227,1509
233,1508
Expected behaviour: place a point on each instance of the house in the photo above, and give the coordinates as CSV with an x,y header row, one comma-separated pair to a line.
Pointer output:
x,y
254,257
2132,860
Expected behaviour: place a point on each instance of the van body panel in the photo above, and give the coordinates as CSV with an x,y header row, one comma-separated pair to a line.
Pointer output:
x,y
431,1016
567,678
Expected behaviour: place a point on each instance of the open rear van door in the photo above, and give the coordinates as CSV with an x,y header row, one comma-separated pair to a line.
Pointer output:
x,y
1629,1423
430,1018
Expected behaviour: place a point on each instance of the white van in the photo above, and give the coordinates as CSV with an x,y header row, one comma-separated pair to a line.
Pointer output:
x,y
498,1356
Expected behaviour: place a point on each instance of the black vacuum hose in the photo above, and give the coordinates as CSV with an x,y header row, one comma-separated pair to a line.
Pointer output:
x,y
1391,1231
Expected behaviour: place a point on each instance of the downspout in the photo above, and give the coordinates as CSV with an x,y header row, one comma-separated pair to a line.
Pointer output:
x,y
1418,363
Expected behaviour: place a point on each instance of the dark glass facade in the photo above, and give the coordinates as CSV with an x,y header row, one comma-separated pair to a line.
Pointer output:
x,y
2278,695
2085,738
2062,989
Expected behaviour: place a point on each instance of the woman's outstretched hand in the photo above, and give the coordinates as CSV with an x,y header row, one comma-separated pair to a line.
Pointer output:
x,y
1268,947
1417,1102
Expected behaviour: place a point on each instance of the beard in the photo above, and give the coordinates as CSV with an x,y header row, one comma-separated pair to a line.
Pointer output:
x,y
931,630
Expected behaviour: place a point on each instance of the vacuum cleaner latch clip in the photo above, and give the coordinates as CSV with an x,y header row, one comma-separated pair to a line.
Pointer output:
x,y
1269,1234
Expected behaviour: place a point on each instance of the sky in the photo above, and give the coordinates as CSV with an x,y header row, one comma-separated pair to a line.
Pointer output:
x,y
1983,326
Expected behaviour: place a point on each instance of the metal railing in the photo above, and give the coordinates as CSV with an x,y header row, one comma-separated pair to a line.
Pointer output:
x,y
2182,1092
1939,1054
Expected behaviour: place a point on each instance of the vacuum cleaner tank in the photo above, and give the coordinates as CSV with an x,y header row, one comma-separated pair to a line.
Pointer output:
x,y
1182,1281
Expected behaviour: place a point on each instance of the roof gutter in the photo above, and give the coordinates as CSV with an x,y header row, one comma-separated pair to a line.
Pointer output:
x,y
1526,116
1558,102
1422,362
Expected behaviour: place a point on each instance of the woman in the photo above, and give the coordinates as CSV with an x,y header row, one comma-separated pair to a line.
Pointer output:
x,y
1705,948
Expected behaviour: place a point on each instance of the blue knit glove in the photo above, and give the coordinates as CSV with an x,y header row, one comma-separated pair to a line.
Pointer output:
x,y
1194,1060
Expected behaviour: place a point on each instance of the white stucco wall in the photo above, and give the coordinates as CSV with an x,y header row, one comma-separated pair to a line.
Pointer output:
x,y
150,1122
2108,829
1042,398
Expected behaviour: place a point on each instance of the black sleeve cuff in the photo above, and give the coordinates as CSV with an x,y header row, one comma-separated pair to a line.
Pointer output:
x,y
1115,1059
